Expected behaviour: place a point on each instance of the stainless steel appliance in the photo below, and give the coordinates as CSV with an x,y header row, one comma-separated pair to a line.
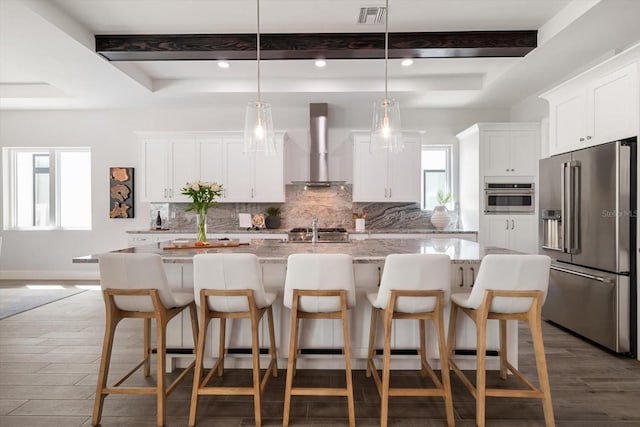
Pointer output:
x,y
325,235
508,198
588,223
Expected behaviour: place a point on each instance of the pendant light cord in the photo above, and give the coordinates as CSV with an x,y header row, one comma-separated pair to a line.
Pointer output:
x,y
386,47
258,49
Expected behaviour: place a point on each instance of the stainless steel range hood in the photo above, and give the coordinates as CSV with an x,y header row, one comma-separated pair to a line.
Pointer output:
x,y
318,148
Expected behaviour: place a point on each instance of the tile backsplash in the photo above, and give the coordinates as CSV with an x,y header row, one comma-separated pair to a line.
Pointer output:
x,y
332,205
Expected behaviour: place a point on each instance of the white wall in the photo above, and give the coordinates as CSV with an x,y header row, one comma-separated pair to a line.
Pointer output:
x,y
534,109
110,134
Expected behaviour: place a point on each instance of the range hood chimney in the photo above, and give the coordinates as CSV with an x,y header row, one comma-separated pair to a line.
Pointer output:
x,y
319,147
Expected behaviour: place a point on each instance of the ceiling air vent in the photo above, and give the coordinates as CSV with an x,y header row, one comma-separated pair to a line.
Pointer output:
x,y
372,15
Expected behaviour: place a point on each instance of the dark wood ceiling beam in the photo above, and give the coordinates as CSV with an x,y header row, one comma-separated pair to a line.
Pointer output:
x,y
180,47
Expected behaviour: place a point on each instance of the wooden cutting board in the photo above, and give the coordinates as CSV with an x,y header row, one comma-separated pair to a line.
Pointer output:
x,y
191,245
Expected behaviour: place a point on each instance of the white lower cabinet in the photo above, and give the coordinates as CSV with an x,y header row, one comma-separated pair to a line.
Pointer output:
x,y
437,236
515,232
141,239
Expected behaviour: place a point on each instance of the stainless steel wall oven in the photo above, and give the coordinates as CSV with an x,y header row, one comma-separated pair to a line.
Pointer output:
x,y
508,198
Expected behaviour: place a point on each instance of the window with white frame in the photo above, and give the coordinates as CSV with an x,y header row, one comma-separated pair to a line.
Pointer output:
x,y
436,174
47,188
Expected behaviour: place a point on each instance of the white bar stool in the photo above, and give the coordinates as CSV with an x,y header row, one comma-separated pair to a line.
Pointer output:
x,y
319,286
413,286
508,287
229,286
135,286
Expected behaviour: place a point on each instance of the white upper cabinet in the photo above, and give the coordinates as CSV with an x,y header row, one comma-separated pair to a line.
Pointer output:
x,y
268,176
383,176
168,165
238,172
252,178
612,104
508,151
211,160
170,161
596,107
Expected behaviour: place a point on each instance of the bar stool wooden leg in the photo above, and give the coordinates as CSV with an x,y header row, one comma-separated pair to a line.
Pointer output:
x,y
541,365
161,325
147,347
293,352
197,375
444,367
193,315
105,361
423,347
347,360
451,335
255,356
386,368
297,343
272,342
221,347
503,349
372,338
481,357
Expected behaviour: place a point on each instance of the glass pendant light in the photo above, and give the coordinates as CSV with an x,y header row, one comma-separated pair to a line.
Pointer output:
x,y
386,130
258,123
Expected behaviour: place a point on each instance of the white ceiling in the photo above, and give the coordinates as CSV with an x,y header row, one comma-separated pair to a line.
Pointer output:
x,y
47,57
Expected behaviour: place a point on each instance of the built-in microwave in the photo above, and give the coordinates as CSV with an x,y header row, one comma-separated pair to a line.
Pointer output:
x,y
507,198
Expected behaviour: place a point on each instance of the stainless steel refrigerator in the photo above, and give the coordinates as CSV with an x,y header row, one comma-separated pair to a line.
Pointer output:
x,y
588,221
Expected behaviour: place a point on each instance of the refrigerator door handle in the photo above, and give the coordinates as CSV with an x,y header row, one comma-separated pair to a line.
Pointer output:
x,y
566,220
578,273
574,214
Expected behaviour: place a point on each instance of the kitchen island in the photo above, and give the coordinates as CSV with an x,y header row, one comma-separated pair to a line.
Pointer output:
x,y
368,258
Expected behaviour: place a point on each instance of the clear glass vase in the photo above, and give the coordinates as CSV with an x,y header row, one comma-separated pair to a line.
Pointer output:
x,y
201,217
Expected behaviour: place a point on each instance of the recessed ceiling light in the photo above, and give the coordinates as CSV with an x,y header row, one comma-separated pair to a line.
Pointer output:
x,y
321,63
223,64
407,62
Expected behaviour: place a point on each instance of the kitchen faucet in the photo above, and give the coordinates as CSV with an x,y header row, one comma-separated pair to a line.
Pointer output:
x,y
314,230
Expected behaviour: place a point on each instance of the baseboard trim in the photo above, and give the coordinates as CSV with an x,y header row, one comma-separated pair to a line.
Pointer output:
x,y
49,275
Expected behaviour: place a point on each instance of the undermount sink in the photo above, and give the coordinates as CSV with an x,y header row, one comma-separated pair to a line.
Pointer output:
x,y
325,235
320,240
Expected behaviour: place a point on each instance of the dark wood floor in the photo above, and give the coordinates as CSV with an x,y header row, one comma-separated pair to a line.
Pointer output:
x,y
49,359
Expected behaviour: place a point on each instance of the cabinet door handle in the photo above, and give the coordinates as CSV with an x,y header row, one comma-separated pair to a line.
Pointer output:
x,y
507,224
506,170
473,276
588,136
252,193
385,193
513,224
171,193
581,139
461,277
165,193
389,193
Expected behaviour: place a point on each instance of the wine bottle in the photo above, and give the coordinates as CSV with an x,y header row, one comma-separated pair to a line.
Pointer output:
x,y
158,222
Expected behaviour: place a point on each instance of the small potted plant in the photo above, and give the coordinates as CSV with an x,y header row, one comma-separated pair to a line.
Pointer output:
x,y
273,217
440,217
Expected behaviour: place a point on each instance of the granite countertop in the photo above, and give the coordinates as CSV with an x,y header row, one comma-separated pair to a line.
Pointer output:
x,y
285,231
369,250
